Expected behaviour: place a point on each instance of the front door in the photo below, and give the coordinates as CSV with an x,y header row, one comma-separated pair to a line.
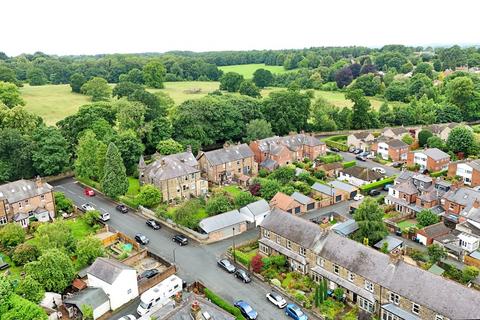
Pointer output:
x,y
354,298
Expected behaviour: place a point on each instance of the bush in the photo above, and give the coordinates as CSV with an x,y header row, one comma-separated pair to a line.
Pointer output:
x,y
223,304
334,144
330,158
62,203
186,214
12,235
437,174
242,258
243,198
319,174
149,196
25,253
276,283
218,204
262,173
91,217
257,264
374,185
349,164
30,289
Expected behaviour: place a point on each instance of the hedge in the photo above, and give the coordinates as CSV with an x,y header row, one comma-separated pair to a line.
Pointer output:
x,y
374,185
330,158
243,258
334,144
349,164
438,173
223,304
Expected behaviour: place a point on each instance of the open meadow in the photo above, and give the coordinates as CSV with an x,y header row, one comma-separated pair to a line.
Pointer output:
x,y
247,70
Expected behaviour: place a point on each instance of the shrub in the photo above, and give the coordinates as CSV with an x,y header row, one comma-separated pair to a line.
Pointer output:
x,y
262,173
437,174
319,174
186,214
377,184
330,158
149,196
349,164
243,198
218,204
88,249
338,293
242,258
25,253
223,304
91,217
469,273
278,260
276,282
30,289
62,203
257,263
12,235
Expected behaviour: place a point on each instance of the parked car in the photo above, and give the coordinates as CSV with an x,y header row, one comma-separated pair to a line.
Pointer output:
x,y
379,170
361,158
397,164
387,186
335,149
153,224
294,311
351,149
276,299
358,197
373,192
142,239
246,310
88,207
226,265
88,192
358,151
371,156
242,275
122,208
180,239
148,274
127,317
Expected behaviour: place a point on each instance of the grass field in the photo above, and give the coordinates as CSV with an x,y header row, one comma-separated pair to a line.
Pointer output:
x,y
247,70
181,91
52,102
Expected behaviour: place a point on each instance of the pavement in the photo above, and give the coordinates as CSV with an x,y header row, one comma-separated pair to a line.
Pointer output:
x,y
194,262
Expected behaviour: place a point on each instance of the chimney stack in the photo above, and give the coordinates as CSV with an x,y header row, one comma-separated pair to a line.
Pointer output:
x,y
395,256
39,182
162,161
189,148
476,203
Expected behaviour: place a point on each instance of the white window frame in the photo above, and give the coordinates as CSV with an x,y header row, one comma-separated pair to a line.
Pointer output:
x,y
438,317
366,305
415,307
3,220
369,286
394,298
336,269
279,239
302,251
320,262
266,233
351,276
289,244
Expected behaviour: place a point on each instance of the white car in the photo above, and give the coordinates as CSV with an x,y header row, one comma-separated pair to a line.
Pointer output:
x,y
379,170
88,207
371,156
358,197
276,299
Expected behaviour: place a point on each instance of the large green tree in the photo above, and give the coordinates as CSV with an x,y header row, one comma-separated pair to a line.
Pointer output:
x,y
89,249
15,155
30,289
462,139
436,253
55,235
258,129
36,77
262,78
149,196
361,117
131,116
169,146
368,83
97,88
20,308
114,182
423,136
86,151
154,74
248,88
53,270
77,80
231,81
10,95
369,217
426,217
50,151
130,147
19,118
12,235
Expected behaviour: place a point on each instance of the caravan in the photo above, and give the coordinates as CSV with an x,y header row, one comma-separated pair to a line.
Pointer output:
x,y
160,294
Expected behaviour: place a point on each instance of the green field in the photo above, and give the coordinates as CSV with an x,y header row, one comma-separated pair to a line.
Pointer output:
x,y
247,70
185,90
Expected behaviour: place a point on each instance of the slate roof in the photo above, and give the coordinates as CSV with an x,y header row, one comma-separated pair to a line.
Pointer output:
x,y
363,173
22,189
107,270
220,221
228,154
301,198
464,196
404,176
435,153
345,228
435,230
258,207
343,186
395,143
94,297
275,145
292,227
415,284
391,241
361,135
397,131
328,190
269,164
172,166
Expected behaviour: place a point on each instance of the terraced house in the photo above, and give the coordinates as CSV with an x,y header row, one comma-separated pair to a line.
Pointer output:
x,y
380,284
228,164
23,200
273,152
177,176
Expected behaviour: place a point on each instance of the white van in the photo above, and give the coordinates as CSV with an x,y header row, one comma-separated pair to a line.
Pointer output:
x,y
160,294
104,216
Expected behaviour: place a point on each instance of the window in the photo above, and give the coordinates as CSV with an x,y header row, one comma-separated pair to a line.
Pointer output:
x,y
3,220
238,162
336,269
239,170
278,239
186,178
42,197
438,317
20,204
289,244
26,201
415,308
366,305
393,297
389,316
452,206
368,285
264,249
351,276
129,291
303,251
320,261
266,233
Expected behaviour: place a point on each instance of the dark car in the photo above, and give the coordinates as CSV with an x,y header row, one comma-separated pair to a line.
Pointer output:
x,y
361,157
335,149
140,238
122,208
153,224
246,310
373,192
180,239
148,274
242,275
226,265
387,186
358,151
397,164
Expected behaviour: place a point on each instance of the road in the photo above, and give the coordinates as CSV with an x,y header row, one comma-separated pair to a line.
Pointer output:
x,y
194,262
347,156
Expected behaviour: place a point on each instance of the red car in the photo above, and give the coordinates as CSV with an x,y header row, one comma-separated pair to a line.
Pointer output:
x,y
89,192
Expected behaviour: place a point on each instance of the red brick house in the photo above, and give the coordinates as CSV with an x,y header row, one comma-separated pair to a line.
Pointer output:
x,y
469,171
431,159
393,149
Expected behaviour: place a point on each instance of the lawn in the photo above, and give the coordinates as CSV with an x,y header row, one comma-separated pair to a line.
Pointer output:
x,y
181,91
133,187
406,224
13,269
233,190
52,102
247,70
79,228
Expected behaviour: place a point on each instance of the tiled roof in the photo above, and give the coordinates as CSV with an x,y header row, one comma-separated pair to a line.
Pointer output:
x,y
331,166
94,297
172,166
228,154
283,201
398,130
436,230
107,269
435,153
395,143
221,221
22,189
301,198
363,173
322,188
343,186
464,196
361,135
274,145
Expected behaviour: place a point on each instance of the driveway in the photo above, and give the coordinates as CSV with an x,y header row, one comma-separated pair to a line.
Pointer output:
x,y
194,262
390,171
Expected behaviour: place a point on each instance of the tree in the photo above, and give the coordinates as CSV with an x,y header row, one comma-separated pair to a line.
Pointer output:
x,y
126,89
262,78
131,116
369,217
50,151
368,83
425,68
248,88
283,174
324,115
25,253
15,155
423,136
343,77
461,139
436,142
11,235
269,188
287,110
361,109
91,217
258,129
218,204
187,214
30,289
19,118
449,113
100,158
421,85
7,74
131,148
243,198
36,77
134,76
10,95
155,131
436,253
55,235
149,196
169,146
86,148
114,182
426,217
97,88
87,312
257,263
469,273
89,249
154,74
231,81
397,91
407,139
20,308
460,90
77,80
53,270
